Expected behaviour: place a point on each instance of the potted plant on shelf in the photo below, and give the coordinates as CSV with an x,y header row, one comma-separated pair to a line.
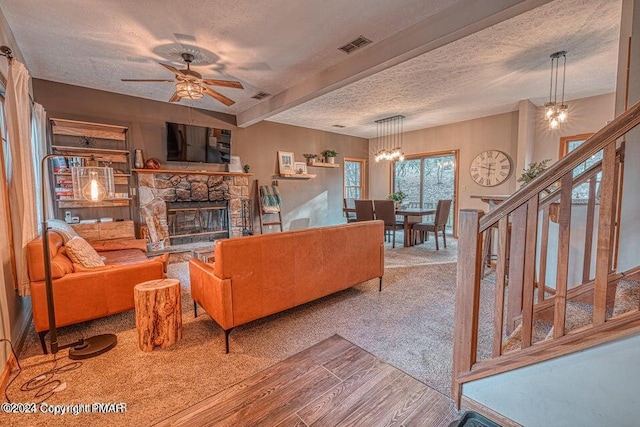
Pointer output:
x,y
329,156
397,197
311,158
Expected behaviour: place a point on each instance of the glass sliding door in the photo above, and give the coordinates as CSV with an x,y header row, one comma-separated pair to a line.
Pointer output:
x,y
427,178
354,179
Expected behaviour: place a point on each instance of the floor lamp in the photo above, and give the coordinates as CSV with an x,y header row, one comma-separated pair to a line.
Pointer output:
x,y
83,348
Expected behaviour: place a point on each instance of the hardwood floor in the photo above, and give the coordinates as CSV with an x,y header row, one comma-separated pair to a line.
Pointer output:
x,y
333,383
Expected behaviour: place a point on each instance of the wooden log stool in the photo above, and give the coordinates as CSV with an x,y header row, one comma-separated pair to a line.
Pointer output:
x,y
158,313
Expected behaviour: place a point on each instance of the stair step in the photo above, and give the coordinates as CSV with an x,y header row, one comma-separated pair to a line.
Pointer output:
x,y
627,297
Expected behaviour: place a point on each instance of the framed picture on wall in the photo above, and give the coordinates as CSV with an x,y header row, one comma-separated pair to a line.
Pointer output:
x,y
300,167
286,163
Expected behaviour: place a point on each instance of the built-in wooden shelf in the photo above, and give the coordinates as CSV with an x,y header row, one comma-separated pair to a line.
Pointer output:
x,y
298,176
190,172
324,165
78,204
92,130
85,150
115,175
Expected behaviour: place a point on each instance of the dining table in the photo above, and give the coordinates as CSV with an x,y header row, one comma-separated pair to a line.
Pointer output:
x,y
406,213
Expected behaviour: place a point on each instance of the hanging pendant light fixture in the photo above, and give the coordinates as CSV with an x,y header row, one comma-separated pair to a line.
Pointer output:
x,y
389,136
556,112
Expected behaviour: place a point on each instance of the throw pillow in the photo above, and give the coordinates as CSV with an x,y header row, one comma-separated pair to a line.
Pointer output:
x,y
81,252
62,228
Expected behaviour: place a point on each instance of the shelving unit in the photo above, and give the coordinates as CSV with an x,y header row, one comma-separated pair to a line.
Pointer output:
x,y
297,176
323,165
109,145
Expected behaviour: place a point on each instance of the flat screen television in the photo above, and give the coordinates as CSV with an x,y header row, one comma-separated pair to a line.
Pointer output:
x,y
189,143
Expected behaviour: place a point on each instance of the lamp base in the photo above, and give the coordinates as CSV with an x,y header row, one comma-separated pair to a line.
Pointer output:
x,y
93,346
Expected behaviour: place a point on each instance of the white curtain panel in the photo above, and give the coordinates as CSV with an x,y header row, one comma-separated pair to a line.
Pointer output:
x,y
22,184
39,149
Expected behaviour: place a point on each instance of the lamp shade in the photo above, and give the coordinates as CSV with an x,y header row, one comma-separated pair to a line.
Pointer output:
x,y
92,183
189,89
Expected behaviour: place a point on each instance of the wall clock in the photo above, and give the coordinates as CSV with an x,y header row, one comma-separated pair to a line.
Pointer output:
x,y
490,168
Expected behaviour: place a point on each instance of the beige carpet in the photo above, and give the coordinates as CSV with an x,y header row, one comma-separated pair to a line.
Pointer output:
x,y
408,325
422,254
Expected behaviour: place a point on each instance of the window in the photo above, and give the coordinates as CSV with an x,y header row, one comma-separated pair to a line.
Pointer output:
x,y
567,145
354,179
427,178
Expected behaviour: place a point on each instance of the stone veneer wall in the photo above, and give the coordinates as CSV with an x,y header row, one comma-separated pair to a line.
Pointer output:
x,y
154,190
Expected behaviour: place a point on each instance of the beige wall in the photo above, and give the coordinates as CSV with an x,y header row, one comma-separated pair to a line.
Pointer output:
x,y
471,137
586,115
305,202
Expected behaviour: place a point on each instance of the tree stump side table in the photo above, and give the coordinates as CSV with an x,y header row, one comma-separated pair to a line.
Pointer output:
x,y
158,313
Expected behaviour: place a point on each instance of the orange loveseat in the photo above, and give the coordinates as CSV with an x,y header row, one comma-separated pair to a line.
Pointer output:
x,y
256,276
82,294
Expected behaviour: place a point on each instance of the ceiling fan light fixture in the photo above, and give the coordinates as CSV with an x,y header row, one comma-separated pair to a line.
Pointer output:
x,y
189,89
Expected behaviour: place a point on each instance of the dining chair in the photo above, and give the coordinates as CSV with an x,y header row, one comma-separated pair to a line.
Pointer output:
x,y
349,203
364,210
439,222
386,211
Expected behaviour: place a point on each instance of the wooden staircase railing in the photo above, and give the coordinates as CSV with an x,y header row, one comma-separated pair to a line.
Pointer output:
x,y
524,226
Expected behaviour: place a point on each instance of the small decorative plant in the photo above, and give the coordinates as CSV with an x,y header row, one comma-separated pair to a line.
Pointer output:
x,y
534,170
397,197
329,155
311,158
246,168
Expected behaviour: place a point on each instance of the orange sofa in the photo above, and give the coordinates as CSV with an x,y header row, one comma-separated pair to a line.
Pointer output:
x,y
256,276
82,294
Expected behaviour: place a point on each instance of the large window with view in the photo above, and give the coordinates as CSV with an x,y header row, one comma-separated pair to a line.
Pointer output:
x,y
427,178
354,179
567,145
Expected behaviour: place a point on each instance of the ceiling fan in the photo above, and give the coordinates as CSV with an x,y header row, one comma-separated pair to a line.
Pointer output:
x,y
191,85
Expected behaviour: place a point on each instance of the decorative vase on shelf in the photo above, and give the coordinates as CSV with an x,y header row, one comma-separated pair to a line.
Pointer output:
x,y
330,160
138,160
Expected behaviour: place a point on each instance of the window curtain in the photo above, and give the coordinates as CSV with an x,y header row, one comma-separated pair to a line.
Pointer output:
x,y
39,149
21,178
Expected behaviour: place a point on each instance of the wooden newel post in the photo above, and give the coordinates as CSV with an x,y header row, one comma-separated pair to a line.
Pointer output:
x,y
158,313
467,297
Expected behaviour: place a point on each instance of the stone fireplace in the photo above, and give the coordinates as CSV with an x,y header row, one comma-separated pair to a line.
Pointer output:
x,y
178,204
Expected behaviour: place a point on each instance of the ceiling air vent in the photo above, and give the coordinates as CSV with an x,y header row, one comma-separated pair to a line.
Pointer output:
x,y
261,95
355,44
338,126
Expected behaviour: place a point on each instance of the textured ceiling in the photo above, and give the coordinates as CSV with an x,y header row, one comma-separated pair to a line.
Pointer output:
x,y
268,46
271,46
482,74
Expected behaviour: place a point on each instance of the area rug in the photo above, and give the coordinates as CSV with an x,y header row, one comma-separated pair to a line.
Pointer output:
x,y
408,325
422,254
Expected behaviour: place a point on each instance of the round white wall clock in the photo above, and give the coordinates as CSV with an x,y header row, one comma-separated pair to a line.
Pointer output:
x,y
490,168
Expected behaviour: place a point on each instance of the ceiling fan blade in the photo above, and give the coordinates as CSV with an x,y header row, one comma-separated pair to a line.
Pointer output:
x,y
175,97
173,69
220,97
223,83
146,80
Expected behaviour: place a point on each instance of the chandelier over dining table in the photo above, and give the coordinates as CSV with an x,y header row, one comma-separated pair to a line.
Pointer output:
x,y
389,137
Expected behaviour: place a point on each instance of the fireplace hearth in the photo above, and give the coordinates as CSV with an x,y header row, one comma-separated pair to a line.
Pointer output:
x,y
186,208
190,222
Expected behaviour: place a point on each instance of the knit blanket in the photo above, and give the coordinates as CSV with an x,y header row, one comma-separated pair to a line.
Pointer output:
x,y
270,199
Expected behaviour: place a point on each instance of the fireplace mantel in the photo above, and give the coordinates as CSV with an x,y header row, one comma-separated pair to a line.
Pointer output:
x,y
190,172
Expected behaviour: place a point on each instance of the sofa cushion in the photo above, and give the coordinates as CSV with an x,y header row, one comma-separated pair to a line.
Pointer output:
x,y
63,229
123,257
81,252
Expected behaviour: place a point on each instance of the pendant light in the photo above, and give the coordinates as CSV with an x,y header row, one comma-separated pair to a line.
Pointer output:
x,y
389,136
556,112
